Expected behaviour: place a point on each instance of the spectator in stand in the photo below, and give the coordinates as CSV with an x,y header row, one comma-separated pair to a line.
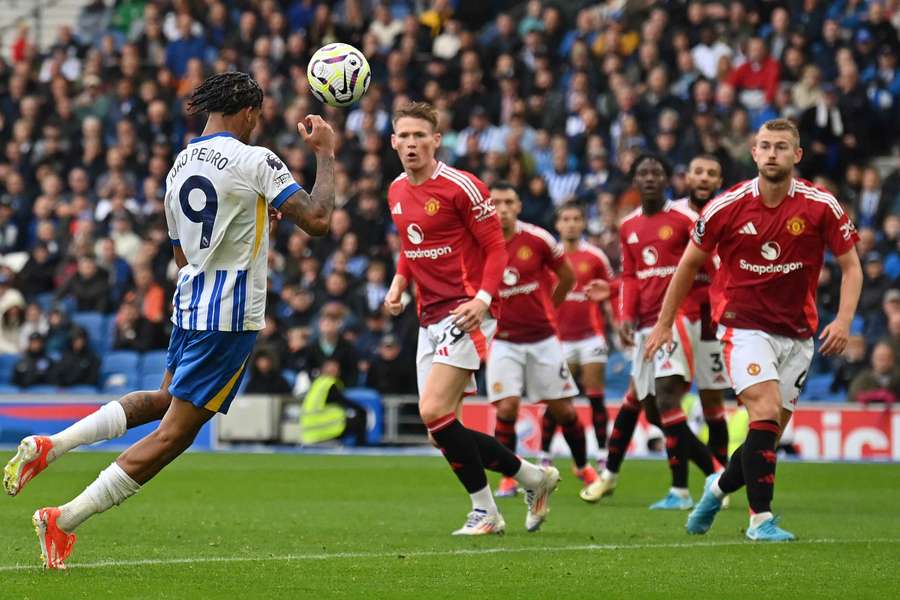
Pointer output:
x,y
871,209
35,368
88,287
184,47
875,285
298,349
150,296
79,365
12,315
134,332
59,331
389,371
330,344
369,296
880,383
10,237
756,80
120,275
265,376
35,322
851,363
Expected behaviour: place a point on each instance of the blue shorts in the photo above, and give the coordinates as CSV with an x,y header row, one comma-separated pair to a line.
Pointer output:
x,y
207,366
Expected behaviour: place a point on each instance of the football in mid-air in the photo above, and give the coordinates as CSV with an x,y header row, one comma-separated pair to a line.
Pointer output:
x,y
338,74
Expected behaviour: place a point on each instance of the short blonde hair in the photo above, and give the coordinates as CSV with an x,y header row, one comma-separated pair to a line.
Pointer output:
x,y
782,125
417,110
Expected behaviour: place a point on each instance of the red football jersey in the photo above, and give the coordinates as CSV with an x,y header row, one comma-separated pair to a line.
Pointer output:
x,y
651,248
526,310
696,304
450,238
771,257
578,317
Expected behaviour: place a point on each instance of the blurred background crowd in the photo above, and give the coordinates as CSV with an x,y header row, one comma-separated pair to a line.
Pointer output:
x,y
556,97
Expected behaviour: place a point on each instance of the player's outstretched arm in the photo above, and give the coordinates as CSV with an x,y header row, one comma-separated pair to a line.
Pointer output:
x,y
836,333
682,282
311,212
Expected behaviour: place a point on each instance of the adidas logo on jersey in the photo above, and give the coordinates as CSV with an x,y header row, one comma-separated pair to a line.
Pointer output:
x,y
632,239
397,210
748,229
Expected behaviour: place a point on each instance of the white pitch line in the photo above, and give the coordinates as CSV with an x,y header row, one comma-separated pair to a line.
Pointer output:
x,y
430,553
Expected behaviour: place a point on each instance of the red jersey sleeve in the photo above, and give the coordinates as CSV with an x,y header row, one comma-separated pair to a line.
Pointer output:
x,y
628,296
403,267
481,220
839,232
707,230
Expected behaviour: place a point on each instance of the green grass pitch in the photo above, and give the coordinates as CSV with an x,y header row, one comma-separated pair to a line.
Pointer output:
x,y
292,526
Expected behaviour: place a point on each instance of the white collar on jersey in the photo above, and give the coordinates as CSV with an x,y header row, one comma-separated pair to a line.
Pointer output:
x,y
791,191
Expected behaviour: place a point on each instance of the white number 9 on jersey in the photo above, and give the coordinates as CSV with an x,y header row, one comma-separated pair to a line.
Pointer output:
x,y
205,216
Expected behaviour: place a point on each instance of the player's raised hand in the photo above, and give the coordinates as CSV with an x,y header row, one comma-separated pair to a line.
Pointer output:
x,y
834,336
597,290
659,338
317,134
626,334
469,315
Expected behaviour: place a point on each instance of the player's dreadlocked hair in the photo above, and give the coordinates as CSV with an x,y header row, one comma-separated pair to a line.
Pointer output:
x,y
226,93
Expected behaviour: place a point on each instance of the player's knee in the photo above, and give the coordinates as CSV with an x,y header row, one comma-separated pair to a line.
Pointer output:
x,y
174,437
563,411
668,393
507,408
432,410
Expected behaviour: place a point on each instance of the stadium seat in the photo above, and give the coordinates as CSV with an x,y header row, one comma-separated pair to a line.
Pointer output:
x,y
7,364
153,363
45,301
95,325
618,371
371,401
290,376
119,371
41,389
6,388
817,387
80,390
150,381
109,327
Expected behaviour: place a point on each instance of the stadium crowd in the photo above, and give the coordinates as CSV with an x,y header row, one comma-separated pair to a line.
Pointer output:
x,y
558,99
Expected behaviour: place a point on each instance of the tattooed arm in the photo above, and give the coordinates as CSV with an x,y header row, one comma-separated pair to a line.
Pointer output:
x,y
311,212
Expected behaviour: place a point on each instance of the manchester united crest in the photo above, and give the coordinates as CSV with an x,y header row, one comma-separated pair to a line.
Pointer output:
x,y
497,387
524,253
432,206
796,225
753,369
665,232
584,266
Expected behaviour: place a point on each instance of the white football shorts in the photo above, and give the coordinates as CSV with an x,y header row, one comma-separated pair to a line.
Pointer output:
x,y
753,356
537,370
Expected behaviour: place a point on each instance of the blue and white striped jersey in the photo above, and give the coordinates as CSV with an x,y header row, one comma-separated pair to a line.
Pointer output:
x,y
217,197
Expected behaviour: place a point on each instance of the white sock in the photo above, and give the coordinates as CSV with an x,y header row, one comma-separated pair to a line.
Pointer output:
x,y
759,518
111,488
105,424
716,490
483,499
680,492
529,475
